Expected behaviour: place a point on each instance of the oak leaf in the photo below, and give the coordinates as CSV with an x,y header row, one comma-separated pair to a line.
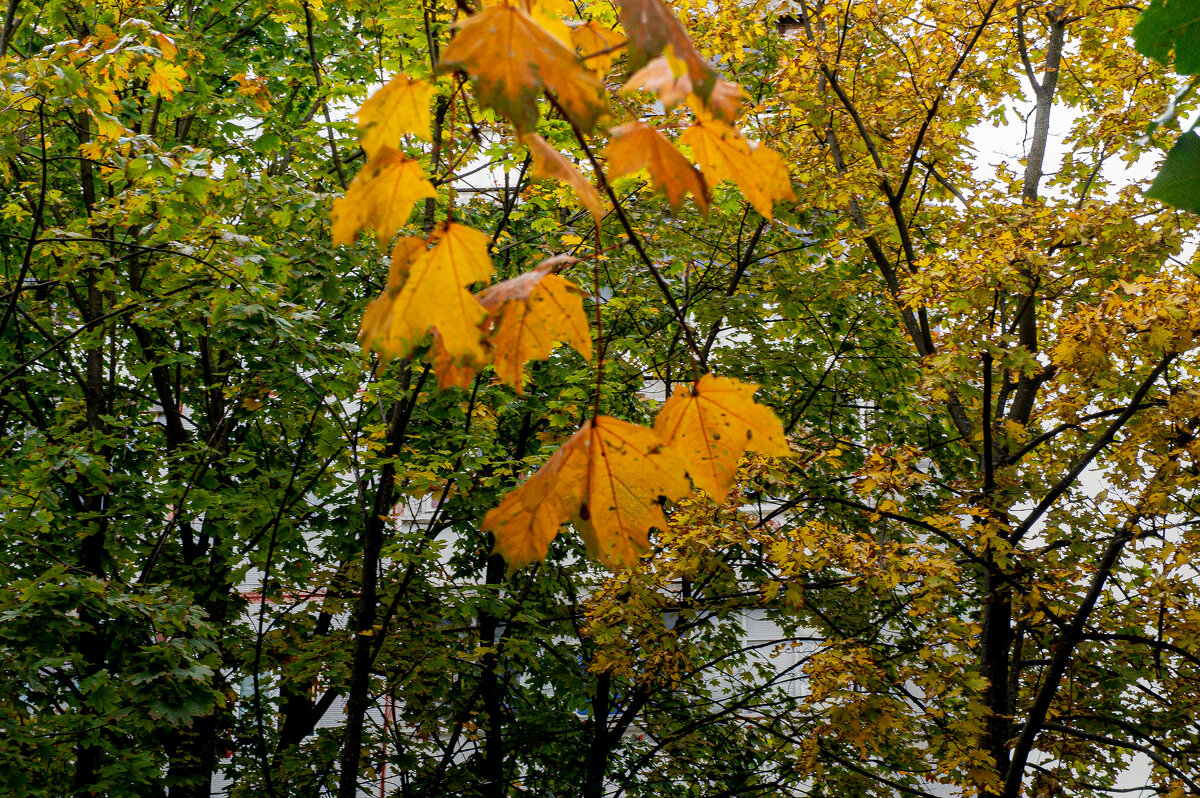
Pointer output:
x,y
433,296
723,154
607,481
652,27
530,314
713,424
400,107
511,59
551,164
637,145
381,197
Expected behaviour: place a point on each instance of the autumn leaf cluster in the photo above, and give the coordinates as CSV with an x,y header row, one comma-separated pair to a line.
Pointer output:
x,y
524,61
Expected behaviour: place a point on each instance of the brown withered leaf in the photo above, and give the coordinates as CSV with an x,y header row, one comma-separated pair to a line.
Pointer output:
x,y
551,164
712,425
637,145
529,315
652,27
511,59
658,76
668,78
607,481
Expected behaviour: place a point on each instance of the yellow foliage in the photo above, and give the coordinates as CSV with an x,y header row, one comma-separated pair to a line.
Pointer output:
x,y
400,107
711,425
606,480
381,197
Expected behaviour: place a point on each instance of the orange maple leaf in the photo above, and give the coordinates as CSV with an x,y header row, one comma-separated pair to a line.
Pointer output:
x,y
725,102
448,373
607,481
381,197
433,296
166,79
712,425
652,27
530,314
597,45
669,79
166,46
511,59
401,106
660,77
724,155
637,145
550,163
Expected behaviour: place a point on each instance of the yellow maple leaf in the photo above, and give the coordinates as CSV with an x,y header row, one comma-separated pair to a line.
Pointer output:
x,y
637,145
724,155
550,15
375,330
381,197
511,59
712,425
597,45
165,79
406,250
606,480
401,106
530,314
433,296
550,163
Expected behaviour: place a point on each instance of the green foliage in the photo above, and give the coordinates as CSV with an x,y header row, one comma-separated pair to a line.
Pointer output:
x,y
1168,29
1170,34
1178,182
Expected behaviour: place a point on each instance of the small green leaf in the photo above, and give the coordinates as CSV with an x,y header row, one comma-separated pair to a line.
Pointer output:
x,y
1178,183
